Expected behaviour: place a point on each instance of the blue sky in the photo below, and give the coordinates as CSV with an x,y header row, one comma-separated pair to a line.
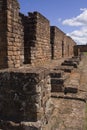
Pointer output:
x,y
69,15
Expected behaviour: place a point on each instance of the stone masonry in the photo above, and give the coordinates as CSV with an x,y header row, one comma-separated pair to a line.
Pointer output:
x,y
29,52
36,39
70,46
27,39
14,35
79,49
61,45
57,43
26,93
11,38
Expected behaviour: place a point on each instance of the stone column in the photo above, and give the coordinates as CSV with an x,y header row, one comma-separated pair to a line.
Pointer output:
x,y
14,35
11,35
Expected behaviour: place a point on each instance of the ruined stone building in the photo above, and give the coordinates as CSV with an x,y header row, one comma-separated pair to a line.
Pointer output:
x,y
27,45
29,39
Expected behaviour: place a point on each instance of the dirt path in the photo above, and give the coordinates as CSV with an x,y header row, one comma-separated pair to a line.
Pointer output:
x,y
71,112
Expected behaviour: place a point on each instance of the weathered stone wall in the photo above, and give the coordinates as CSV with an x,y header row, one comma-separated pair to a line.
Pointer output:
x,y
25,95
79,49
14,35
36,39
61,44
65,46
70,43
29,37
26,39
11,35
57,37
24,92
72,47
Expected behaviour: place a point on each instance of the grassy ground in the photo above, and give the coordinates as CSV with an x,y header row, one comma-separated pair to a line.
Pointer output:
x,y
85,53
85,125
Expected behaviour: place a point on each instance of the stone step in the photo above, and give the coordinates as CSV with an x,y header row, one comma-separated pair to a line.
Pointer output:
x,y
68,69
69,64
77,60
71,61
74,96
73,83
57,84
58,78
68,61
70,89
57,88
56,74
57,81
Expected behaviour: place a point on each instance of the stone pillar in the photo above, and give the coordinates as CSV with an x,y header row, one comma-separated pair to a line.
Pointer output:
x,y
37,50
11,35
56,42
14,35
41,49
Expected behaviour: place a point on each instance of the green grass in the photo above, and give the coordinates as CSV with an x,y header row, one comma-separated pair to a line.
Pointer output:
x,y
85,124
85,53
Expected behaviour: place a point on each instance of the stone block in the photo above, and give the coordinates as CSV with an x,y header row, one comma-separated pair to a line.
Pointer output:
x,y
69,64
71,89
56,73
64,68
25,94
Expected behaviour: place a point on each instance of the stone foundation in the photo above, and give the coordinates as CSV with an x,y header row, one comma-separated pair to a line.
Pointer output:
x,y
26,93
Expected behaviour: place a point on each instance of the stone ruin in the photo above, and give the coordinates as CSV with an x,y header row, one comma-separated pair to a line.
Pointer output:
x,y
29,39
31,53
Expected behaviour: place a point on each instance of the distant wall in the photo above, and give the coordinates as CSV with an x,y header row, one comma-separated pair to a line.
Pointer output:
x,y
56,42
70,43
61,45
79,48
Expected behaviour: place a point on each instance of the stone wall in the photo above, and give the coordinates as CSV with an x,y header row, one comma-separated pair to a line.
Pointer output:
x,y
36,39
14,35
25,95
29,35
26,39
78,49
57,37
70,46
61,44
25,91
11,35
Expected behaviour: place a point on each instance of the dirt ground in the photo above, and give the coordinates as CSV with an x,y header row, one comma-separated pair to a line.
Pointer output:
x,y
69,113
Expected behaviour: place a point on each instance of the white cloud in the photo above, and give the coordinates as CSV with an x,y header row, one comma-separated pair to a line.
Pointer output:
x,y
82,9
79,20
80,36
